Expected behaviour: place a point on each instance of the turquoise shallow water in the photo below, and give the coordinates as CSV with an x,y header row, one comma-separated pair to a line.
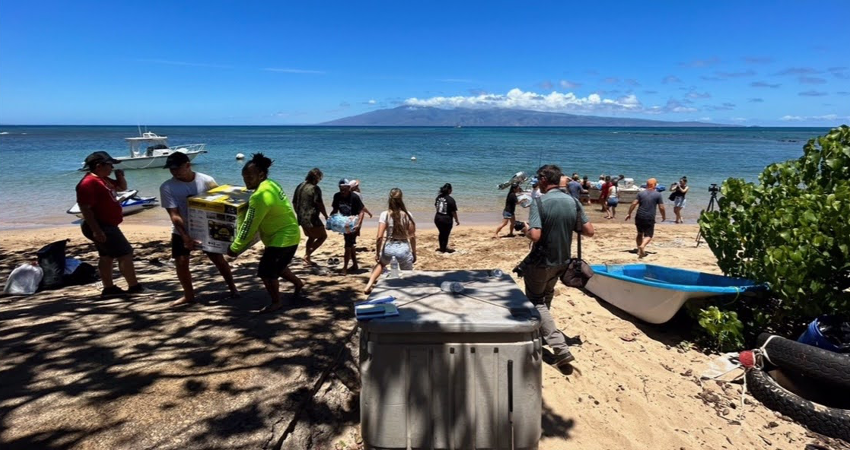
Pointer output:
x,y
40,162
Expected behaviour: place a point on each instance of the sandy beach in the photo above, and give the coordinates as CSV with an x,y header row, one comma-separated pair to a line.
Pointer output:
x,y
78,372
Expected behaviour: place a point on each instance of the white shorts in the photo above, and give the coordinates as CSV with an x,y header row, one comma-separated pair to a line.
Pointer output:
x,y
680,201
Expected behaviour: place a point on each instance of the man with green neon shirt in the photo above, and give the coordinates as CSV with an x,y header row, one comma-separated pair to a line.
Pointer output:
x,y
272,215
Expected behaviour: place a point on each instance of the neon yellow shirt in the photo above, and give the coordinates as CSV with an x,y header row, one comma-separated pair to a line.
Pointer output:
x,y
271,214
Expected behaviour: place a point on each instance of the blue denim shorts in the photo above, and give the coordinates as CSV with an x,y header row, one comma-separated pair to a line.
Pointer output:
x,y
507,215
402,250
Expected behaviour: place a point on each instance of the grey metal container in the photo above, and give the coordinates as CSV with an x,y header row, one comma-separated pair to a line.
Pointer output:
x,y
452,371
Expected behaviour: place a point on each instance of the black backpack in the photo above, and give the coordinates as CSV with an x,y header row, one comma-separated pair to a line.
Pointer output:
x,y
51,259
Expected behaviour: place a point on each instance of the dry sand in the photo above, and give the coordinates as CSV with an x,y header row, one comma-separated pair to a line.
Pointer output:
x,y
82,373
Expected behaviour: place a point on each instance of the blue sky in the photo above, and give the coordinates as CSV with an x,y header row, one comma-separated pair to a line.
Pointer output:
x,y
771,63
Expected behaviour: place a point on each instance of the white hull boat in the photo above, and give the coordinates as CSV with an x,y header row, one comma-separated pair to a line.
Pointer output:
x,y
150,150
627,190
130,203
655,293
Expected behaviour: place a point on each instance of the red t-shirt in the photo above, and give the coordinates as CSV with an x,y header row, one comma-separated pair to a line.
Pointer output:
x,y
99,193
605,190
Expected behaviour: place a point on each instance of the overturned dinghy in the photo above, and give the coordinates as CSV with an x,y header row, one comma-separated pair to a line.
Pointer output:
x,y
655,293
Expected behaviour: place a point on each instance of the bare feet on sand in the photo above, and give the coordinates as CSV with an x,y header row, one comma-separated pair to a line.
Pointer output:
x,y
181,302
641,252
298,288
235,294
272,308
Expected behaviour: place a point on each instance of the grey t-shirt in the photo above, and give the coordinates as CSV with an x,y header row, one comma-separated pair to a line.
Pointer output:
x,y
560,216
648,202
174,194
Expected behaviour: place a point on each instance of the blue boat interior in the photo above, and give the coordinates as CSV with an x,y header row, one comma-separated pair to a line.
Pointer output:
x,y
677,279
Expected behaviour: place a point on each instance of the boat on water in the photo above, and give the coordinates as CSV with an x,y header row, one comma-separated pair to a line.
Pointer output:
x,y
627,190
654,293
130,203
150,150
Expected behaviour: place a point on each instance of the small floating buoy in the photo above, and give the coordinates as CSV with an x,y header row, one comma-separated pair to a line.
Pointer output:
x,y
240,156
413,158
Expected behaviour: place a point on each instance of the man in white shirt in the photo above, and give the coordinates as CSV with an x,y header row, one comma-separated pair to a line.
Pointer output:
x,y
174,194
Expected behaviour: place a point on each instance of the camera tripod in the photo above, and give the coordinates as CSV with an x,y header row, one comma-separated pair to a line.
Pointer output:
x,y
711,206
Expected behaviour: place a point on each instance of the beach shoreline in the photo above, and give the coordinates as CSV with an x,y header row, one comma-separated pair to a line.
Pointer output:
x,y
627,392
156,216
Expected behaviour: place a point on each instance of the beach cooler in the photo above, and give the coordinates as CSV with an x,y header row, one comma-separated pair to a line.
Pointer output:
x,y
215,215
452,370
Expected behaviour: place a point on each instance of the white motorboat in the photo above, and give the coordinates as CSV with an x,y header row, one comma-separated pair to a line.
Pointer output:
x,y
150,150
627,190
130,203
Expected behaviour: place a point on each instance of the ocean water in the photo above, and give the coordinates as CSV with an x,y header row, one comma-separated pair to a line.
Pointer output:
x,y
40,162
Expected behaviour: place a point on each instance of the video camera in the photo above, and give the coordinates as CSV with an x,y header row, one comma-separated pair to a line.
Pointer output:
x,y
713,188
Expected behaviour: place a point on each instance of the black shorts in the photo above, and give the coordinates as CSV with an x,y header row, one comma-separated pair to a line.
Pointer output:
x,y
645,227
275,260
177,246
350,239
116,244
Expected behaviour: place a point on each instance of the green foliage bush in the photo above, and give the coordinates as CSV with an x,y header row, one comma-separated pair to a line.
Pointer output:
x,y
723,326
791,230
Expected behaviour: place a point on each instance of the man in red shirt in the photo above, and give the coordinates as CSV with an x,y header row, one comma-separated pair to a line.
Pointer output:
x,y
96,196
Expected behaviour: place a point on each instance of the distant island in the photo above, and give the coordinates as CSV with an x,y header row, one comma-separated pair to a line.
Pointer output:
x,y
498,117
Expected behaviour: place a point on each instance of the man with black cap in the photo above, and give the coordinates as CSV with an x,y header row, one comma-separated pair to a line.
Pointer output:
x,y
173,195
96,196
347,205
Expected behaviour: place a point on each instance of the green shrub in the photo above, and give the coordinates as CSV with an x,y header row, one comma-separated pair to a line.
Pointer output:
x,y
790,230
723,327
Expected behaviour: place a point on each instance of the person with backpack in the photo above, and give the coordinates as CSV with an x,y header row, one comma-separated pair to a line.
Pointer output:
x,y
445,212
551,230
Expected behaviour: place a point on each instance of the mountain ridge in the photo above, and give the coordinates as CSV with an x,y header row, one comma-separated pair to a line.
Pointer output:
x,y
498,117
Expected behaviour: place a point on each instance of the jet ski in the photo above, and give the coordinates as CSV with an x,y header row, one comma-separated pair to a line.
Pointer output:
x,y
130,203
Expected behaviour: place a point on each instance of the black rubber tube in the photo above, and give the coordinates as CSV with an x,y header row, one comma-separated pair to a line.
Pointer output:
x,y
832,422
812,362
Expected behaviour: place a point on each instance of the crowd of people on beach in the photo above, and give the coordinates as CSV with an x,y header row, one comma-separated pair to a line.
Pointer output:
x,y
280,221
556,213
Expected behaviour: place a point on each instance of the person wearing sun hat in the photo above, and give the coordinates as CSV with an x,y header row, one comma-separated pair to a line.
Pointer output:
x,y
347,204
96,196
646,217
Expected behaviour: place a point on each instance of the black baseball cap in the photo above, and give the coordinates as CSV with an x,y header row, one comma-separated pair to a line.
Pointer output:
x,y
98,157
176,160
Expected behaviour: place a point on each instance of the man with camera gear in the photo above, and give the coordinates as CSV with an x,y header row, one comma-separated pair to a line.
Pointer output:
x,y
646,218
551,231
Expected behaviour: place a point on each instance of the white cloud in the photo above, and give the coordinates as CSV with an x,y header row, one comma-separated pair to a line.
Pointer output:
x,y
372,101
696,95
791,118
567,84
521,100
